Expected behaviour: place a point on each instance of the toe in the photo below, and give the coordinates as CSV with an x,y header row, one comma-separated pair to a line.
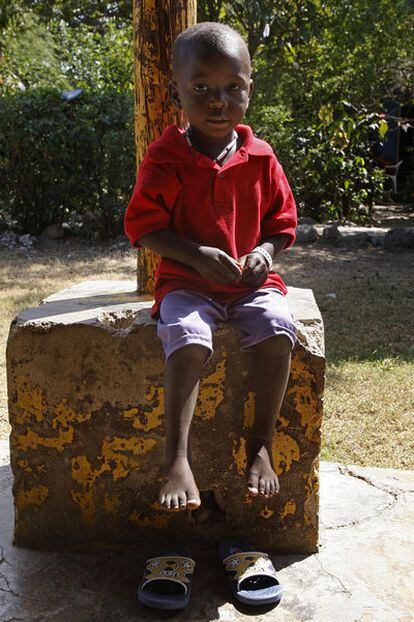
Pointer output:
x,y
167,502
267,489
174,503
193,500
262,486
182,501
252,484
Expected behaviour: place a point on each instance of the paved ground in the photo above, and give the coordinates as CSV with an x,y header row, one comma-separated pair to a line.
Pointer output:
x,y
364,571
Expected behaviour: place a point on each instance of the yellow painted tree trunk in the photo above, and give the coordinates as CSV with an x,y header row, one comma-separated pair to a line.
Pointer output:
x,y
156,25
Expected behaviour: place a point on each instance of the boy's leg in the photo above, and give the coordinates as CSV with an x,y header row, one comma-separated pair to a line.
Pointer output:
x,y
272,367
185,327
182,380
266,323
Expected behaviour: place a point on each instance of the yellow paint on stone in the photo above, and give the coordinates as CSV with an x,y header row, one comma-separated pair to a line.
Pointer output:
x,y
211,392
307,407
266,512
282,422
289,508
159,521
32,440
31,496
84,474
31,399
146,421
64,415
249,411
310,505
111,503
299,371
30,402
84,499
123,463
285,451
240,456
24,464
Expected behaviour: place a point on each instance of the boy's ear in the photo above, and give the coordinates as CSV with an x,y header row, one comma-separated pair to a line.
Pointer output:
x,y
250,93
173,94
251,88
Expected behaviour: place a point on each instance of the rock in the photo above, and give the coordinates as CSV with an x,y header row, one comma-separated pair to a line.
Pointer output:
x,y
330,234
331,296
307,220
9,239
26,240
54,232
353,237
401,238
86,404
306,234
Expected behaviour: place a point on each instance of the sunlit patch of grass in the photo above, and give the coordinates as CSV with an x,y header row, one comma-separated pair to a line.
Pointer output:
x,y
369,413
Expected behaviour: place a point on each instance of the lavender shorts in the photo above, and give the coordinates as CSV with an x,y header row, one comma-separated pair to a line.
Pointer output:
x,y
187,317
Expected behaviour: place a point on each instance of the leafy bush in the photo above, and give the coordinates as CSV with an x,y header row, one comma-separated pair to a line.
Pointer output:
x,y
328,162
66,161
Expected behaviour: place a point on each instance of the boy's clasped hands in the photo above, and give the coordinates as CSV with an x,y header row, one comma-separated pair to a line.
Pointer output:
x,y
216,265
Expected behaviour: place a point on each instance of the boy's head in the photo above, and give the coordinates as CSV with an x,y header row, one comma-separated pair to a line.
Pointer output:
x,y
211,78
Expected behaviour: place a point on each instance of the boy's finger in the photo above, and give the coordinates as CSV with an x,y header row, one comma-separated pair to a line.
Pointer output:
x,y
231,264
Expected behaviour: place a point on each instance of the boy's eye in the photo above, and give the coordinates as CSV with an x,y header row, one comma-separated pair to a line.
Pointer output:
x,y
200,88
234,87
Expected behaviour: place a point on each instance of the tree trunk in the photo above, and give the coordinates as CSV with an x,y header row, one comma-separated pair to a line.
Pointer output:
x,y
156,24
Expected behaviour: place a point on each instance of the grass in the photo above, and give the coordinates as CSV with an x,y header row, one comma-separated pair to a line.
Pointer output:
x,y
369,396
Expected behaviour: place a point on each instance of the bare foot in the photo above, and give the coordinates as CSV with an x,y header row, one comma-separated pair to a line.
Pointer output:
x,y
262,478
179,492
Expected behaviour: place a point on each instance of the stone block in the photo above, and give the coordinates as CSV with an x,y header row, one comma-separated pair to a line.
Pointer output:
x,y
85,386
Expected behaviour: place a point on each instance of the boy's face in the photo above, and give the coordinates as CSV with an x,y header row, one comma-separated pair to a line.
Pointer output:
x,y
214,92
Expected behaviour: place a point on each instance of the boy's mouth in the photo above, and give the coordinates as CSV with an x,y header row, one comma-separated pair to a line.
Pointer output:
x,y
217,121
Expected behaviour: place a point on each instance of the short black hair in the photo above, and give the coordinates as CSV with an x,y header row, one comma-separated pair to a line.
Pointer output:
x,y
209,37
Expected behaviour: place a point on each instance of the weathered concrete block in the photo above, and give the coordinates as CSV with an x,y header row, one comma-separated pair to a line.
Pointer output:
x,y
86,404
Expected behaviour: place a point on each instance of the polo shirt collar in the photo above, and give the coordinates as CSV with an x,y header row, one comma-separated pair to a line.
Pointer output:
x,y
173,147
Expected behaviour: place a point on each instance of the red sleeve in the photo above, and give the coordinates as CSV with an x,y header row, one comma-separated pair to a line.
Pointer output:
x,y
281,217
154,196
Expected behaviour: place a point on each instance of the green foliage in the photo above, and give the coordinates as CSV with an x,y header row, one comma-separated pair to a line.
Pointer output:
x,y
36,54
29,56
317,54
329,164
66,161
97,60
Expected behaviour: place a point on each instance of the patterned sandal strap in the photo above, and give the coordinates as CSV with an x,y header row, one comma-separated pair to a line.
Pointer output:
x,y
249,564
169,568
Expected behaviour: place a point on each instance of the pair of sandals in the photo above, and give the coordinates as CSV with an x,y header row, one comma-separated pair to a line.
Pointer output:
x,y
166,583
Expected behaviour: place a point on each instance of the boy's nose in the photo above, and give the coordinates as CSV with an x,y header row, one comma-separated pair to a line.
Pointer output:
x,y
218,99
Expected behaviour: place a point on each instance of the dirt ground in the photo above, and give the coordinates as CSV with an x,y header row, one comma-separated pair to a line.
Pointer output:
x,y
366,299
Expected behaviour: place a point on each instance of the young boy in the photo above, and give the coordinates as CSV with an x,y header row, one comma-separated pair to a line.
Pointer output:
x,y
214,202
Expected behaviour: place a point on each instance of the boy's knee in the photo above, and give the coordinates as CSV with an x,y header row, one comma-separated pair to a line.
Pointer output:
x,y
193,355
277,345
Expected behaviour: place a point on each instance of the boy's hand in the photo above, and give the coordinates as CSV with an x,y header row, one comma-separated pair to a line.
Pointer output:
x,y
215,265
255,270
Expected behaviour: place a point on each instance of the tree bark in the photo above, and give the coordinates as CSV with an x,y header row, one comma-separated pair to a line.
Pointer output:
x,y
156,24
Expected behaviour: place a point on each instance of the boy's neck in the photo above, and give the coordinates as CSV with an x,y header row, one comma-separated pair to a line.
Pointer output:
x,y
210,146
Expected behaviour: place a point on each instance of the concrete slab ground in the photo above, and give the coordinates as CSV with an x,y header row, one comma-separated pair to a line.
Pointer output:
x,y
364,571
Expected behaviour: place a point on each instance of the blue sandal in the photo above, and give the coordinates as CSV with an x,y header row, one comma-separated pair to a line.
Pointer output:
x,y
166,583
251,573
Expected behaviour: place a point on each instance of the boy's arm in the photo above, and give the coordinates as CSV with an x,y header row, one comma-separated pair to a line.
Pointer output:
x,y
212,263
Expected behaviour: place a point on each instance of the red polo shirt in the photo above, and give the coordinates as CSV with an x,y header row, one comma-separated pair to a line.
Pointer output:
x,y
232,207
